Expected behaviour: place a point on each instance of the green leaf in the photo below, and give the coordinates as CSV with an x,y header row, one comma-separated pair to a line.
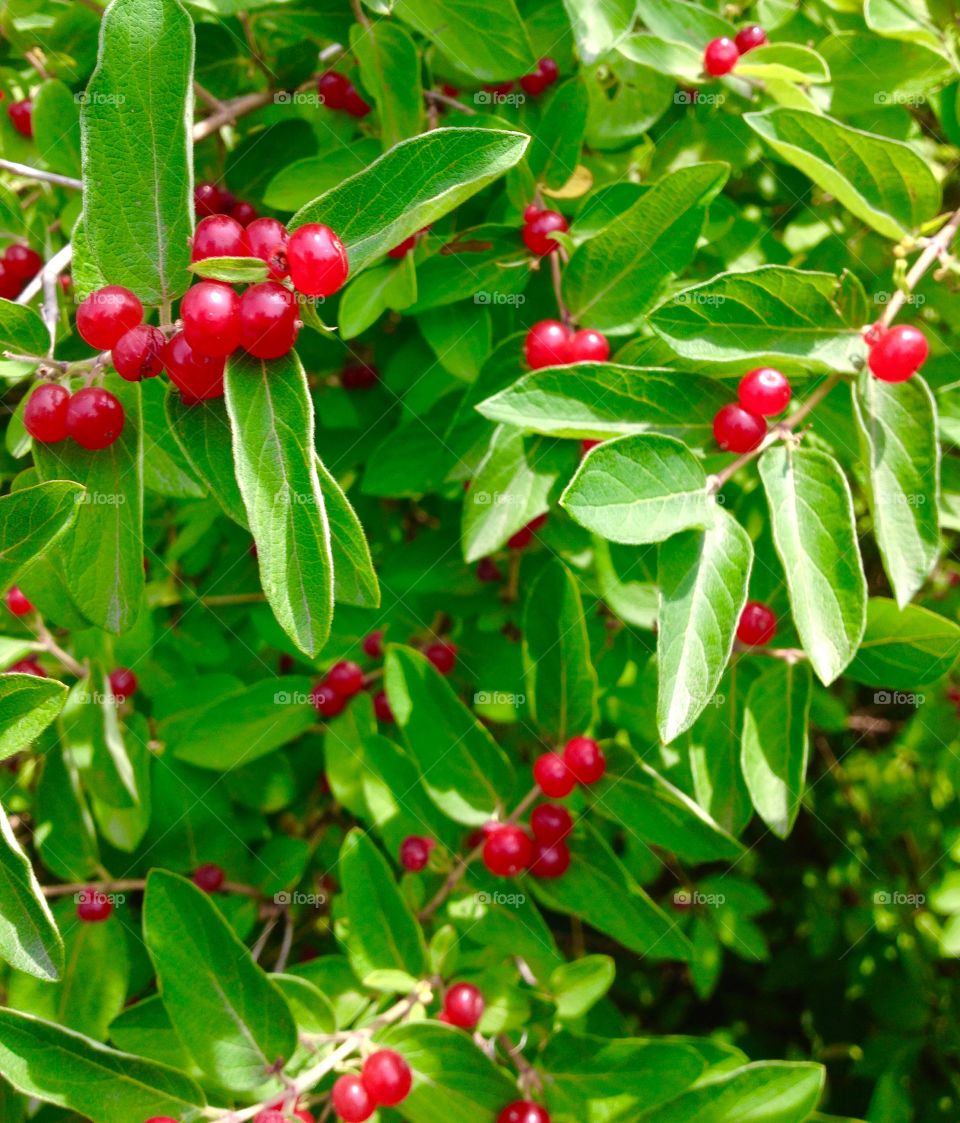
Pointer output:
x,y
203,433
613,278
166,469
639,489
776,745
811,514
599,24
784,62
390,72
354,578
56,127
370,294
883,182
30,520
412,185
21,330
904,648
137,149
28,704
65,1068
464,770
703,577
898,428
384,941
227,1013
576,987
686,23
680,60
767,314
555,149
29,940
765,1092
271,415
65,833
235,270
560,678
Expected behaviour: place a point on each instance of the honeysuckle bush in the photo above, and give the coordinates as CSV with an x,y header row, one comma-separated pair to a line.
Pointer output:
x,y
441,645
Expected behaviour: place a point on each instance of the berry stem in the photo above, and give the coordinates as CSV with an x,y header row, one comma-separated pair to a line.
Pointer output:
x,y
43,177
436,96
530,1079
48,643
935,249
136,885
557,276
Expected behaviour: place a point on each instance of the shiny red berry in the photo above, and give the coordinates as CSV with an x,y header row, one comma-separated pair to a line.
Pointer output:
x,y
161,1119
548,344
507,851
244,213
586,445
209,877
218,235
326,701
524,536
387,1077
403,248
107,314
207,199
530,212
210,311
544,76
764,392
267,239
21,116
738,430
10,284
45,414
346,678
23,262
464,1005
588,346
757,624
550,861
138,353
17,603
536,232
351,1100
552,775
585,759
268,320
383,709
749,37
93,906
898,354
443,656
94,418
720,57
333,89
197,377
354,104
550,823
26,667
415,852
318,260
524,1111
123,683
373,644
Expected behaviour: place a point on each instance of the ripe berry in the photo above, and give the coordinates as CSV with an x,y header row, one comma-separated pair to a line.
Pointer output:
x,y
244,213
218,235
488,571
326,701
26,667
207,199
123,683
373,644
738,430
586,445
464,1005
208,877
757,624
161,1119
749,37
550,823
267,239
530,212
318,260
354,103
137,354
333,89
21,116
403,248
547,344
443,656
10,283
346,678
17,603
351,1100
268,320
536,232
93,906
415,852
359,376
552,775
197,377
23,262
524,536
107,314
544,76
550,861
45,414
387,1077
720,57
764,392
585,759
588,346
524,1111
94,418
382,708
898,354
507,851
210,311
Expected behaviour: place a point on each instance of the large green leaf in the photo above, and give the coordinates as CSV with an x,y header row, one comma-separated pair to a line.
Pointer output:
x,y
811,513
229,1016
555,150
29,940
354,578
271,415
21,330
390,71
28,704
203,433
30,520
137,149
904,648
599,24
765,1092
56,127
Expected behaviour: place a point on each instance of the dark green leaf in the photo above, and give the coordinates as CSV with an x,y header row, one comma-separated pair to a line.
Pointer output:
x,y
29,940
904,648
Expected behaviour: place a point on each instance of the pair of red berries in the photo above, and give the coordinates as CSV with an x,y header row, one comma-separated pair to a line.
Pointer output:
x,y
209,199
18,265
338,92
550,343
582,762
384,1081
21,116
896,354
93,417
740,426
722,54
337,687
757,624
538,225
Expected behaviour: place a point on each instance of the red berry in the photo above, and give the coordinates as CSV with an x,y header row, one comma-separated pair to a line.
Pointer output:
x,y
507,851
354,104
93,906
303,1115
550,861
210,311
244,213
588,346
271,1115
403,248
10,283
161,1119
523,1111
267,239
764,392
720,57
94,418
268,320
443,656
898,354
873,334
197,377
107,314
218,235
346,678
17,603
552,775
326,701
501,88
387,1077
208,877
26,667
373,644
464,1005
137,354
351,1100
738,430
123,683
415,852
359,376
530,212
524,536
318,260
22,262
550,823
333,89
544,76
382,708
750,37
21,116
586,445
488,571
45,414
548,344
757,624
207,199
585,759
536,232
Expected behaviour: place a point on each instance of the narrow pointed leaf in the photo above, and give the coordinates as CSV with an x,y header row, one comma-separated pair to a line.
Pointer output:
x,y
29,940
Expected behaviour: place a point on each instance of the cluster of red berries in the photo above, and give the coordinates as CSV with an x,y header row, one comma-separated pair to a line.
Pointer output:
x,y
338,92
550,343
384,1081
18,265
741,426
581,762
538,225
535,83
722,54
210,199
93,417
21,116
757,624
895,354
